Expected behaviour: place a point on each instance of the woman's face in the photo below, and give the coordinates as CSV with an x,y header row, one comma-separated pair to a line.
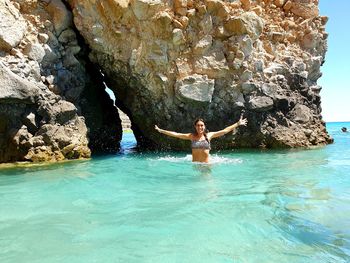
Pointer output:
x,y
200,127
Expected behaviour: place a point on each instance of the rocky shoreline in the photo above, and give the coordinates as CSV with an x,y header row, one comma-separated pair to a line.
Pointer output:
x,y
51,105
168,62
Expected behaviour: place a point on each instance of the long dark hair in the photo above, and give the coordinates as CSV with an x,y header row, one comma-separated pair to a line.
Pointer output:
x,y
205,131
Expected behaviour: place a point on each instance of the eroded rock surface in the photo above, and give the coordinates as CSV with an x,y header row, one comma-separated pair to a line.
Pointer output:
x,y
52,104
170,62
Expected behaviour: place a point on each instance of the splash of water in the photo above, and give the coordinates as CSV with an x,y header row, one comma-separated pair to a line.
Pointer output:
x,y
214,159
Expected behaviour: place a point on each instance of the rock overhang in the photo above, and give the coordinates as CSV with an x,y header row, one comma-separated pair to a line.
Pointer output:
x,y
168,62
188,56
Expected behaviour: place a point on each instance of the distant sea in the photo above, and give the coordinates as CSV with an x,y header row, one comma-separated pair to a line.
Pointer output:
x,y
246,206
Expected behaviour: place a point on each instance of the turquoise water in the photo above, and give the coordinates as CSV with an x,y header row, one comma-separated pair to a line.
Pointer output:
x,y
247,206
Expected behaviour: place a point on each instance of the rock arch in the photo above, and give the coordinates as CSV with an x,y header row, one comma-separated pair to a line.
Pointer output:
x,y
168,62
172,61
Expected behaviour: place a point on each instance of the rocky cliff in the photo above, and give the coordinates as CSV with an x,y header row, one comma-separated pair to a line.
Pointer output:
x,y
52,101
170,62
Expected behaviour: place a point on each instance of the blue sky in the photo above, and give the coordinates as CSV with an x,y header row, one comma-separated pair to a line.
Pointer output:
x,y
335,80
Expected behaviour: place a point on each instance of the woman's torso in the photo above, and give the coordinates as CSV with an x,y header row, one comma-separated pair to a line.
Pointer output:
x,y
200,149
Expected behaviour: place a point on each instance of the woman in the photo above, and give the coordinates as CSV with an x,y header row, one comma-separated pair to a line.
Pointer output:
x,y
201,139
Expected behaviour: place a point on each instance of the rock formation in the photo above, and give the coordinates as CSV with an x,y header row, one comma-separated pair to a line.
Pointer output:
x,y
169,62
126,123
52,102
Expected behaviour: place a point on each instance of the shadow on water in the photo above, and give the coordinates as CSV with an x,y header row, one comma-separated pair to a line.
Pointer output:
x,y
297,229
203,169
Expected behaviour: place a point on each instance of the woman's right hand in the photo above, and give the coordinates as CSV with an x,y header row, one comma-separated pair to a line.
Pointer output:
x,y
156,128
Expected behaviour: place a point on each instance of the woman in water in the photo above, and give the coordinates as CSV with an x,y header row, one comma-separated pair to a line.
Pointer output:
x,y
201,139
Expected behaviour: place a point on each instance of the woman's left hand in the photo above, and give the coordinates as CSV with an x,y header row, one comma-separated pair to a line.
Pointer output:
x,y
242,122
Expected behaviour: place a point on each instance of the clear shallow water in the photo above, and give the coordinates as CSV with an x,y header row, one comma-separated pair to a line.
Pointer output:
x,y
247,206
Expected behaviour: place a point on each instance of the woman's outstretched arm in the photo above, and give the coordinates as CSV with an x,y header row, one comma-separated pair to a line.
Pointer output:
x,y
241,122
184,136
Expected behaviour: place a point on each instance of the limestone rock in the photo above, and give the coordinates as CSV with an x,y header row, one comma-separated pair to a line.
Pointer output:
x,y
270,89
43,38
301,114
178,37
314,65
14,88
245,45
275,69
288,5
311,40
304,10
180,7
213,64
30,121
144,9
42,82
12,26
197,88
218,8
61,17
67,36
246,75
62,112
203,45
279,3
246,4
35,52
249,87
261,103
173,61
247,23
